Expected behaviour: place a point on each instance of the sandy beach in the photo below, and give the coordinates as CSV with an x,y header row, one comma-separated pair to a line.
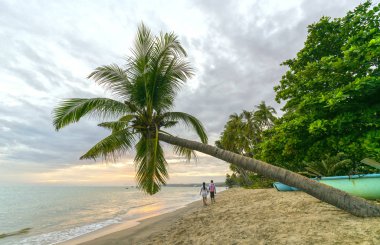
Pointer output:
x,y
242,216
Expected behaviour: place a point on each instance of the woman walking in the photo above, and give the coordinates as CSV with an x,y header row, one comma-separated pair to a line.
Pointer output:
x,y
204,193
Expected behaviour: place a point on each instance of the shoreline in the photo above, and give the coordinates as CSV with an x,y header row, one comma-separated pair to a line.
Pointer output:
x,y
246,216
131,228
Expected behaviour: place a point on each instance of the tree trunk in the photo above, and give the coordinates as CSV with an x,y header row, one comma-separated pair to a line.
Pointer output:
x,y
354,205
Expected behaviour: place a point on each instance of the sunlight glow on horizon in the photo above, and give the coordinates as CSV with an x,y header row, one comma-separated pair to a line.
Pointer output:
x,y
123,173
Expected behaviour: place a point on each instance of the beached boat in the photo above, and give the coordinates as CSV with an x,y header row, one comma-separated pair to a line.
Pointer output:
x,y
366,185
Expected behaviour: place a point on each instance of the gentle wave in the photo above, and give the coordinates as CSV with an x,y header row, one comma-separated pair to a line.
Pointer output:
x,y
143,205
61,236
68,234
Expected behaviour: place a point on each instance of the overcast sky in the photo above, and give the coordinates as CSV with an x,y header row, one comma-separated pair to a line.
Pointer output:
x,y
49,47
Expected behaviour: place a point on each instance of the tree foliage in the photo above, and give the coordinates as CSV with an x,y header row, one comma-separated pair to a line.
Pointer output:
x,y
329,166
242,134
332,93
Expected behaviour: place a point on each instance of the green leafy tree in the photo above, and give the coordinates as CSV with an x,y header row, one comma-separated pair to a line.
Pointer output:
x,y
145,89
331,92
231,180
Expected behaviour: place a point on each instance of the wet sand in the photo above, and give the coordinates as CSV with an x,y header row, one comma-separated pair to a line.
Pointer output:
x,y
242,216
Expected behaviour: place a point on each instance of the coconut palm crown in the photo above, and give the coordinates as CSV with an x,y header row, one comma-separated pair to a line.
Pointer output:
x,y
145,88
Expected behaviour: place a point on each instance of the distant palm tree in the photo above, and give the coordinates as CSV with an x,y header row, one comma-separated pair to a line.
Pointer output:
x,y
264,116
146,88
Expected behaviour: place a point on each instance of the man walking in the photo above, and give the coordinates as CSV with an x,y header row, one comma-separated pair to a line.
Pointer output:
x,y
212,190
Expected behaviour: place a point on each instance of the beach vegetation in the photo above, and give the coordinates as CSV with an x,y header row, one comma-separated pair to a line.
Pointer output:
x,y
329,166
256,181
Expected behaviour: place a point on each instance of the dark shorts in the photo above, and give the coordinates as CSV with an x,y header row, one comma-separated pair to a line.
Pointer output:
x,y
212,194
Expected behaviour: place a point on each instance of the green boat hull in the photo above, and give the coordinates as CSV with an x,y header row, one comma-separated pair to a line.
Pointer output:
x,y
366,186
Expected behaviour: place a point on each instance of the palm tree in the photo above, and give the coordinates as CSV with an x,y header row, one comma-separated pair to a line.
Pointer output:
x,y
146,88
264,116
239,136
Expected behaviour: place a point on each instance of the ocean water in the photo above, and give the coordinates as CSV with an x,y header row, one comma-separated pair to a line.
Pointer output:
x,y
57,214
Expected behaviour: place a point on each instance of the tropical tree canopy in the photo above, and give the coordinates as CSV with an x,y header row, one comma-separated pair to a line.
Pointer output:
x,y
331,91
144,89
242,134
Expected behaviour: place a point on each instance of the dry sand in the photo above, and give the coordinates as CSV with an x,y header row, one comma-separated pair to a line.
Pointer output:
x,y
243,216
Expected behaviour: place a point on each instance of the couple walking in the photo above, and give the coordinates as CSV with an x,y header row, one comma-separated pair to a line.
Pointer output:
x,y
204,192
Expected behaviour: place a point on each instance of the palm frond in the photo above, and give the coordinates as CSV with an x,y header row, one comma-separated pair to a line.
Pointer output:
x,y
169,124
168,43
132,107
121,124
114,78
143,45
167,49
168,82
185,152
157,69
341,165
111,147
150,162
313,172
189,121
138,66
72,110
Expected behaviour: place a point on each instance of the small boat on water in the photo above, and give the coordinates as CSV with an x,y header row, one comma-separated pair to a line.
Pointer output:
x,y
361,185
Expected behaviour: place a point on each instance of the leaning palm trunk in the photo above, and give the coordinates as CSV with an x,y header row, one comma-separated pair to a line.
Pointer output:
x,y
354,205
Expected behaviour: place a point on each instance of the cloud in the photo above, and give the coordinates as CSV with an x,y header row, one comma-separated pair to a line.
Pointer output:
x,y
242,53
